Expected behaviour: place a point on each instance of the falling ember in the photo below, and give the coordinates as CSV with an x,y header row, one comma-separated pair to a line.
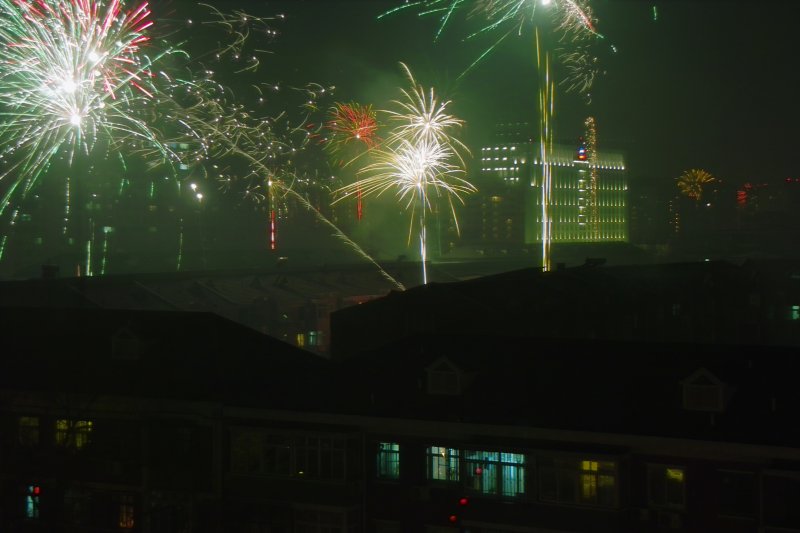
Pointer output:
x,y
359,204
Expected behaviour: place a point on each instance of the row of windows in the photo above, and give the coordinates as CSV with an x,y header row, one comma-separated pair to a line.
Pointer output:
x,y
70,433
570,481
308,457
77,507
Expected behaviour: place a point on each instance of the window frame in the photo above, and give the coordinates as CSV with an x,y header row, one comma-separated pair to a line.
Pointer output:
x,y
493,464
666,505
447,456
573,467
305,450
383,466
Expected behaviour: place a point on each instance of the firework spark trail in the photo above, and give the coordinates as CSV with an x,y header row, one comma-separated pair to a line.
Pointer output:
x,y
572,20
226,144
240,26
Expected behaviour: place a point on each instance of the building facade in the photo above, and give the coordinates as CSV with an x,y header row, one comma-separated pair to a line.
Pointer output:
x,y
171,422
589,194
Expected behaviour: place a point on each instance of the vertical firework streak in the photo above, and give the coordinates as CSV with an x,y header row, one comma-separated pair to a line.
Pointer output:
x,y
591,157
546,112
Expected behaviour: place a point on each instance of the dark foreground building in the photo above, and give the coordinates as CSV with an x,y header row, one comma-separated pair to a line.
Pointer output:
x,y
173,422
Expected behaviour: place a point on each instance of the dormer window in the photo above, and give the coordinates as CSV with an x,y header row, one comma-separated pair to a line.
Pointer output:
x,y
125,345
702,391
444,378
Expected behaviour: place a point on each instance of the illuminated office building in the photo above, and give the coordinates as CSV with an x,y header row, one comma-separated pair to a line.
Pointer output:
x,y
511,180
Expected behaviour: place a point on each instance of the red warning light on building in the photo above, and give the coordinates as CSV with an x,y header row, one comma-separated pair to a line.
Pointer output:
x,y
580,154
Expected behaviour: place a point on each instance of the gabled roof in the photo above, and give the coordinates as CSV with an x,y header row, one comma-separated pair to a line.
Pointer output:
x,y
189,356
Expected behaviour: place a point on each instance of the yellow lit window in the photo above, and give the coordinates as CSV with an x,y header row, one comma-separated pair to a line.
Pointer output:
x,y
675,474
74,433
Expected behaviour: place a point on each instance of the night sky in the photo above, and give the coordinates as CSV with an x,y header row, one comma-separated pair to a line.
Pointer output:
x,y
707,84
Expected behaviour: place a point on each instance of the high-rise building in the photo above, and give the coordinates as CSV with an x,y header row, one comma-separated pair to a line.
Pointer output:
x,y
589,194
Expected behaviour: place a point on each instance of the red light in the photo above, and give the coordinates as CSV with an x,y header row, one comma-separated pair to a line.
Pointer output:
x,y
453,519
478,471
463,501
36,490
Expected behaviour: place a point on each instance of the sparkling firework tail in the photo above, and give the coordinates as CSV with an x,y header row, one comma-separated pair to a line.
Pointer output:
x,y
546,112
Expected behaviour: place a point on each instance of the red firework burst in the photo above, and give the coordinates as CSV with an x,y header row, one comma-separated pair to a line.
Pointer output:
x,y
352,123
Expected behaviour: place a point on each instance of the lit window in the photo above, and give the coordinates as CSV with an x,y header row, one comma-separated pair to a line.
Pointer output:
x,y
795,313
587,482
596,482
301,340
314,338
443,463
32,494
666,486
126,512
29,430
495,472
73,433
388,460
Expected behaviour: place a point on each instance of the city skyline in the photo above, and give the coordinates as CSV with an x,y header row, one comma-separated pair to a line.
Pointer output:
x,y
705,84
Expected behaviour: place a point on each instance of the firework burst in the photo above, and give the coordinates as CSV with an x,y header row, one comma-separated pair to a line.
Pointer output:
x,y
572,21
421,117
352,124
692,182
73,73
420,160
